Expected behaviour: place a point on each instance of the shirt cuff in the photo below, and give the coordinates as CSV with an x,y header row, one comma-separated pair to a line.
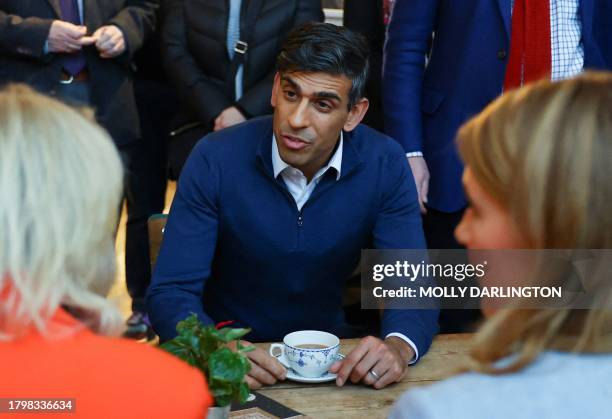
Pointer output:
x,y
46,47
414,154
409,342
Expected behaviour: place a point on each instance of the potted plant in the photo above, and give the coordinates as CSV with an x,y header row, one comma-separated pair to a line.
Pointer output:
x,y
206,348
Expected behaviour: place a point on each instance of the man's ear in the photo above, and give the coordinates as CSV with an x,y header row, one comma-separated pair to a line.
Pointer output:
x,y
275,88
356,114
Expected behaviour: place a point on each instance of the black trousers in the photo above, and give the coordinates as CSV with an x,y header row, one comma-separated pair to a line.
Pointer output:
x,y
143,197
440,234
146,181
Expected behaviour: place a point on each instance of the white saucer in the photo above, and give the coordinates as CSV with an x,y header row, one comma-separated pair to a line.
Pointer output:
x,y
294,376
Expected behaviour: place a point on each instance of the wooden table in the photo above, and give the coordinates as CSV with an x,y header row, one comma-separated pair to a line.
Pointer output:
x,y
358,401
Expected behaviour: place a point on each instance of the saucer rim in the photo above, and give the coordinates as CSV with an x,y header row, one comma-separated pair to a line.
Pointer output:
x,y
313,380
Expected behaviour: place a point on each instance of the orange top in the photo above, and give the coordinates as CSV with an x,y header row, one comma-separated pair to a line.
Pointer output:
x,y
108,377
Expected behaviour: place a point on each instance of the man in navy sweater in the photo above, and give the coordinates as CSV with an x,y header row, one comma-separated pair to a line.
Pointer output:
x,y
270,216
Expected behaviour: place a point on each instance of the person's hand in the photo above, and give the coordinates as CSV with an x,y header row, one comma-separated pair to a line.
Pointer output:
x,y
227,118
109,41
420,172
64,37
388,360
265,369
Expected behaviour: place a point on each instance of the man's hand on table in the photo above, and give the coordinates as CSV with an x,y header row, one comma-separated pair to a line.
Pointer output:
x,y
265,369
388,360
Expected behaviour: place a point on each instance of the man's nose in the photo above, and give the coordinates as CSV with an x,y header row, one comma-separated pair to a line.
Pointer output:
x,y
299,116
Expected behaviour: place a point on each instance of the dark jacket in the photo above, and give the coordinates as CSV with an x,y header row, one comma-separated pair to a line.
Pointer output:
x,y
424,106
196,58
366,17
24,26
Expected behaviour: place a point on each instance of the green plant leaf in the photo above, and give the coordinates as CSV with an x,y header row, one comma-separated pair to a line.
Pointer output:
x,y
222,392
222,388
246,364
243,392
206,348
246,349
229,334
209,341
174,347
226,365
190,323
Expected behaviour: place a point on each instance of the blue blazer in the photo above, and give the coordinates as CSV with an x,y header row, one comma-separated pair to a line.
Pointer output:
x,y
236,247
424,106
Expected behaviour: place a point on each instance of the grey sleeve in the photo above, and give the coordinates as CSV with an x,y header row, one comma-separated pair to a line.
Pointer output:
x,y
412,405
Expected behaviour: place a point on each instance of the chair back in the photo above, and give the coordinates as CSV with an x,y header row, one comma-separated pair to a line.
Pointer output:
x,y
156,225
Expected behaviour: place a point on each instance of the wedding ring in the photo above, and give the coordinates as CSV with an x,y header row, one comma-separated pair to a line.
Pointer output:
x,y
376,376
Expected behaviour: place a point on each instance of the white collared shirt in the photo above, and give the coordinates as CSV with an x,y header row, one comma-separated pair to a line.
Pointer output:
x,y
300,189
80,4
297,184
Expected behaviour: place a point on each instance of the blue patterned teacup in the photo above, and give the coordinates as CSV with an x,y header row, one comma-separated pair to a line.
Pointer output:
x,y
309,353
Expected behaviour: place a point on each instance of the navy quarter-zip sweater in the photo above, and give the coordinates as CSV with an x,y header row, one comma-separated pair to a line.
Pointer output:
x,y
236,247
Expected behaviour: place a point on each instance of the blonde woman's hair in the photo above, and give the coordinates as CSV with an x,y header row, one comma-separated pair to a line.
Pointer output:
x,y
544,153
60,182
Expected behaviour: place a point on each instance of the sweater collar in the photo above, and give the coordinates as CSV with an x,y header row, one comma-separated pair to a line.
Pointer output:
x,y
351,159
279,165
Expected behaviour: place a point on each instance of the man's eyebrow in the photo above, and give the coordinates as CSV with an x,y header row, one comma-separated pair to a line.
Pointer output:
x,y
321,95
292,83
328,95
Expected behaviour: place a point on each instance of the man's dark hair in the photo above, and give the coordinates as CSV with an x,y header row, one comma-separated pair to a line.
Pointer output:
x,y
326,48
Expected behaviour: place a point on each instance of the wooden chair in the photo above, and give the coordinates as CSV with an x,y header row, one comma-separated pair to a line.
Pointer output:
x,y
156,225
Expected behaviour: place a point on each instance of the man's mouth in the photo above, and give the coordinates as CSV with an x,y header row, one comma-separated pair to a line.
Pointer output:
x,y
294,143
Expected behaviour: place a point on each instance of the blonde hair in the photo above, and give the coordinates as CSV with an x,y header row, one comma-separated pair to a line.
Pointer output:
x,y
543,152
61,181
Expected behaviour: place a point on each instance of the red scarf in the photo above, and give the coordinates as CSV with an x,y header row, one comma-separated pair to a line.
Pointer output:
x,y
530,54
387,8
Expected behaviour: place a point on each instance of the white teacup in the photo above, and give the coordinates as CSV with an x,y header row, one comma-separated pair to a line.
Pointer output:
x,y
308,362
